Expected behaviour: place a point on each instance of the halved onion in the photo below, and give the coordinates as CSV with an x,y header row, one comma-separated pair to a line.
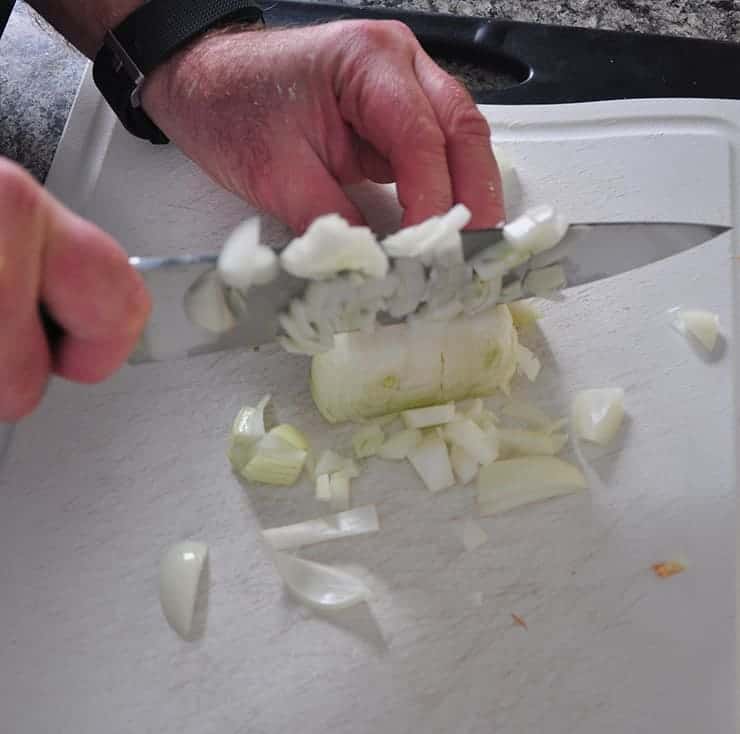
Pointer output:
x,y
400,444
331,245
434,415
318,585
432,463
243,261
179,576
702,325
359,521
598,413
368,440
504,485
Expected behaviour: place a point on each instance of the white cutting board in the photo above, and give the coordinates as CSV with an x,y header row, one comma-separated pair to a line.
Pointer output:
x,y
101,480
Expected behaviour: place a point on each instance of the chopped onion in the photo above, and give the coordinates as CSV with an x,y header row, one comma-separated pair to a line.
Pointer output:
x,y
702,325
331,245
367,441
318,585
411,287
527,362
179,577
473,535
275,459
339,486
486,420
329,462
243,261
598,413
464,466
524,314
476,442
434,415
360,521
545,281
323,487
400,444
520,442
247,430
432,463
538,229
206,304
504,485
407,366
471,408
530,415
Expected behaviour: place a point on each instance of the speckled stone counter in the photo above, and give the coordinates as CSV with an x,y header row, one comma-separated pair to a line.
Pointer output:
x,y
39,72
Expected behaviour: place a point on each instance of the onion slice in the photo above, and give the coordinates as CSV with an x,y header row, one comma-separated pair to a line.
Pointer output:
x,y
521,442
432,463
702,325
179,576
470,437
359,521
598,413
320,586
504,485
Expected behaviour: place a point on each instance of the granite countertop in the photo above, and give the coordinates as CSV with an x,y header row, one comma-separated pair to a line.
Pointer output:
x,y
39,71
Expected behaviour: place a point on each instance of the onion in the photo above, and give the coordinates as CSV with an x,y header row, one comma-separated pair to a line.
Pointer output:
x,y
545,281
473,535
504,485
524,314
538,229
598,413
318,585
248,428
407,366
470,437
330,462
470,408
323,487
339,486
520,442
530,415
243,261
329,246
360,521
432,463
277,458
206,304
702,325
400,444
367,441
464,466
411,288
527,362
179,576
434,415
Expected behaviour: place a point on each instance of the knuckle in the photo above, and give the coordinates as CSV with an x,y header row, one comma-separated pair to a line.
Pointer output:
x,y
367,35
464,121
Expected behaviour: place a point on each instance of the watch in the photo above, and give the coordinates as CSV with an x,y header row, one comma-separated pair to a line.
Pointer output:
x,y
148,37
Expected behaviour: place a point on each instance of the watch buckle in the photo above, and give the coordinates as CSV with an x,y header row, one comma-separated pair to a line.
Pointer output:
x,y
122,61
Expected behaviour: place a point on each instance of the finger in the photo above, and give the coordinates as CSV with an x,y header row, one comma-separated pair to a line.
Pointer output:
x,y
372,164
386,106
24,354
298,200
476,181
100,301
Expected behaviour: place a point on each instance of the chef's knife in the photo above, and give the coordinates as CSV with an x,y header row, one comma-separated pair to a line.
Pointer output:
x,y
588,252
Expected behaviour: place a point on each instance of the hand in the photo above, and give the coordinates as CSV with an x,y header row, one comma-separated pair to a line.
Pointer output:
x,y
49,255
285,118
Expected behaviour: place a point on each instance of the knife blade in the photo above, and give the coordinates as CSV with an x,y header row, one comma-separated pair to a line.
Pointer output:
x,y
588,252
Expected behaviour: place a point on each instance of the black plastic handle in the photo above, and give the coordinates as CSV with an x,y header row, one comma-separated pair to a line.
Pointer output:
x,y
556,64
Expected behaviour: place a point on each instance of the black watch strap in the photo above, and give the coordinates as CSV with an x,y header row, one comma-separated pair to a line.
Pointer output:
x,y
149,36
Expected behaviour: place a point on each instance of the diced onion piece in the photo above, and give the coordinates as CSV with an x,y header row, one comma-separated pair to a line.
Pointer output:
x,y
318,585
331,245
323,487
434,415
243,261
206,304
473,535
467,435
529,414
504,485
330,462
505,166
411,287
538,229
524,314
702,325
398,445
464,466
290,435
527,362
274,461
598,413
179,576
339,486
432,463
367,441
359,521
545,281
248,428
520,442
414,365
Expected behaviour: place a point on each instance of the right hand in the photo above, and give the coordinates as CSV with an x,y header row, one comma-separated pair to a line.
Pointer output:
x,y
50,255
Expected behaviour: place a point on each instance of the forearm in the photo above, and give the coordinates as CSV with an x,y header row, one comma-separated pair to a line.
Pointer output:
x,y
84,22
